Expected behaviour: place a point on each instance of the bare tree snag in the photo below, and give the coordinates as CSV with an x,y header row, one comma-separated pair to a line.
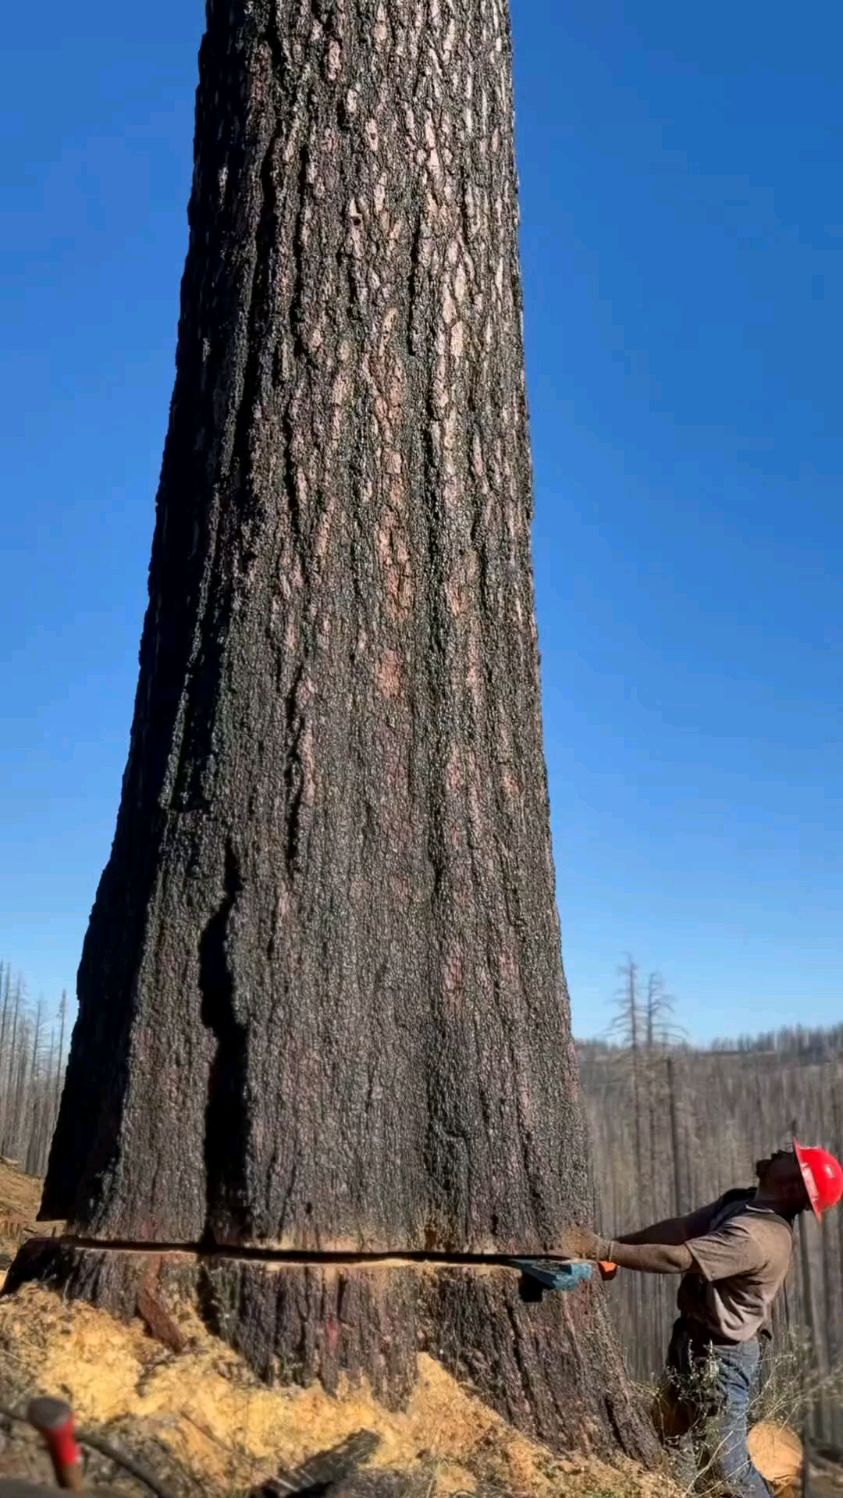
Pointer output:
x,y
321,999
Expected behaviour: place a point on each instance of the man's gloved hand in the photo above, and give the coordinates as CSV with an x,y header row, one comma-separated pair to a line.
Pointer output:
x,y
582,1243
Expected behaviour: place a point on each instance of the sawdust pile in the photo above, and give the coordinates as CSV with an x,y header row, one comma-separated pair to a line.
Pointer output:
x,y
227,1432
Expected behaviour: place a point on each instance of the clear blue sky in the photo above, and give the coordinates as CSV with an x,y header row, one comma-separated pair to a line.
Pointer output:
x,y
683,255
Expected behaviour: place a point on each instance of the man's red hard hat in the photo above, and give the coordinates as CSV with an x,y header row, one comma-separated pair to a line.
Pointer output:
x,y
822,1174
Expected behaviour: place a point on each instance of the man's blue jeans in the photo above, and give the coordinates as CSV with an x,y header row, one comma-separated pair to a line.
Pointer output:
x,y
710,1387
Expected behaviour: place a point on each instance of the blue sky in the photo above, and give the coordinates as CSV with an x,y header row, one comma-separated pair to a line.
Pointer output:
x,y
682,243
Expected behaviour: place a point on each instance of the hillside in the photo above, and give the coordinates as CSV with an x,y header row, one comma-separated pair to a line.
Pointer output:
x,y
20,1194
20,1198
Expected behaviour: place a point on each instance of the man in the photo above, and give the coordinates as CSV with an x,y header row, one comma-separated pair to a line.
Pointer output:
x,y
733,1257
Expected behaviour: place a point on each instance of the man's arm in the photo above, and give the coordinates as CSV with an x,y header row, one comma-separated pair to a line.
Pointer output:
x,y
651,1258
674,1230
732,1250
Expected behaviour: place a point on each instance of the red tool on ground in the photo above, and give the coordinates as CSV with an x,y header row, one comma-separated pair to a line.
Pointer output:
x,y
53,1419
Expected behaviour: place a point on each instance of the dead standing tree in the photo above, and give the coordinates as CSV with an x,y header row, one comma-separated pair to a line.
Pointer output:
x,y
321,1001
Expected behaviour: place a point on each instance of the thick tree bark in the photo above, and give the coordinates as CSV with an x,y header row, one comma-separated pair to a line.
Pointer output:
x,y
322,979
321,1000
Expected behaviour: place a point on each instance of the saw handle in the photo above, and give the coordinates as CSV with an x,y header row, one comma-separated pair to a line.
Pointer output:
x,y
53,1419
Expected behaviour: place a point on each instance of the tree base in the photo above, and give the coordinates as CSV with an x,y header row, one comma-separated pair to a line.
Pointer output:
x,y
549,1367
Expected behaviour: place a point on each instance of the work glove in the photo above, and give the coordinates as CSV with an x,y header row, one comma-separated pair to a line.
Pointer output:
x,y
582,1243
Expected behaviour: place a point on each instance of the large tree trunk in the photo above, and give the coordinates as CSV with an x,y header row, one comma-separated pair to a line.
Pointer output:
x,y
321,1000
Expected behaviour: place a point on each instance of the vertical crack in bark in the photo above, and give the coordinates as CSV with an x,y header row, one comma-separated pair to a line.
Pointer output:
x,y
226,1109
298,293
436,1143
294,771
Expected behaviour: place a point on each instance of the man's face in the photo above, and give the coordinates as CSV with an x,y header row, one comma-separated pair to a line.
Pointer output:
x,y
780,1175
763,1167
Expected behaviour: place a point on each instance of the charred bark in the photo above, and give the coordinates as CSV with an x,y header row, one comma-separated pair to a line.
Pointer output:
x,y
329,914
321,999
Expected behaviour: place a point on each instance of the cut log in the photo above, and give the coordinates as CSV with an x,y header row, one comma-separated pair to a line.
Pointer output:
x,y
779,1455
